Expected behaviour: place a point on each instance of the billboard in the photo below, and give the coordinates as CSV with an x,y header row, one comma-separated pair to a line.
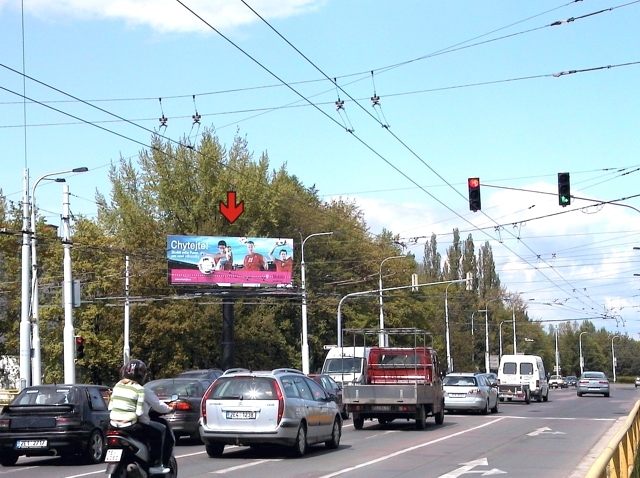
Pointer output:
x,y
230,261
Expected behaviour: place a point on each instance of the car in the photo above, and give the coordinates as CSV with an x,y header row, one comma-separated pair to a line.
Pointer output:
x,y
333,387
277,407
557,381
637,382
593,382
55,420
209,374
491,377
469,391
572,381
186,410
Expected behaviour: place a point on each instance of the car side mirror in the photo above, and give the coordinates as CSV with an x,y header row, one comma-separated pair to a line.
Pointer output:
x,y
331,397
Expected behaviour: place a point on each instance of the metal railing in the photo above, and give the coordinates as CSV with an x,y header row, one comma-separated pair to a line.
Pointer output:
x,y
6,396
617,460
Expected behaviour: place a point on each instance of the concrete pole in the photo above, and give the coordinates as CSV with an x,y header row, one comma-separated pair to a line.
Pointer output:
x,y
68,333
446,328
126,352
515,346
382,338
25,325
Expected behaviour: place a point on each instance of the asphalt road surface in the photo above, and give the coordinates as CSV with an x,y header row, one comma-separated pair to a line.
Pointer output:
x,y
558,438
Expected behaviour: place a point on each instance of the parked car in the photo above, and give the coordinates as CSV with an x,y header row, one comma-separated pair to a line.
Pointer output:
x,y
55,420
186,410
280,407
593,382
334,388
469,391
557,381
572,381
208,374
637,381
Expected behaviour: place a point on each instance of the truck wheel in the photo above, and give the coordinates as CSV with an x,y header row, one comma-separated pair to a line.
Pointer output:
x,y
440,416
527,397
358,422
546,397
421,418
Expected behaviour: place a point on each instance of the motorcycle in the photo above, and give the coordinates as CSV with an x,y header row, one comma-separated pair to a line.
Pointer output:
x,y
128,457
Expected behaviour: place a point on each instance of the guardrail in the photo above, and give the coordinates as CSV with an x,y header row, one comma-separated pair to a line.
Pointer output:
x,y
6,396
618,458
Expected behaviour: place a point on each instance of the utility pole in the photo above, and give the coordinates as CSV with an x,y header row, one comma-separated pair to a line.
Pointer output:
x,y
25,325
67,292
126,349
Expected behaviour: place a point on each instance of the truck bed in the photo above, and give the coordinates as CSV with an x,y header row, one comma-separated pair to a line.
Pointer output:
x,y
389,394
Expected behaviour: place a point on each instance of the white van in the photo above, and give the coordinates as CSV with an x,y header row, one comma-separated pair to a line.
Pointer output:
x,y
524,377
346,364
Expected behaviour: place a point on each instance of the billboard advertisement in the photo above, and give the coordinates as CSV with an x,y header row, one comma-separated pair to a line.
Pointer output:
x,y
230,261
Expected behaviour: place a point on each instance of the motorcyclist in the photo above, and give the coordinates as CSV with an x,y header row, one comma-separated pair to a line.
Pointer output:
x,y
129,410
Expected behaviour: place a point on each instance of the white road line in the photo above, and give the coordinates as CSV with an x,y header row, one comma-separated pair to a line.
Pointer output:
x,y
240,467
406,450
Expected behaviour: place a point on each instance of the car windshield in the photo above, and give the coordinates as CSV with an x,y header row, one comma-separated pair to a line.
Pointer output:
x,y
167,388
44,396
249,388
343,365
599,375
460,381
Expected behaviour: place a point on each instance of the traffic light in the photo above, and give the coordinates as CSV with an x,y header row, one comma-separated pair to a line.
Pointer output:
x,y
474,194
564,189
79,347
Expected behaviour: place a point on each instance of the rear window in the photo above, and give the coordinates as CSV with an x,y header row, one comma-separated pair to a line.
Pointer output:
x,y
460,381
594,375
510,368
343,365
526,368
251,388
45,396
167,388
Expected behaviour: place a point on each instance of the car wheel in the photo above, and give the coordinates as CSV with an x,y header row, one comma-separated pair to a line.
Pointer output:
x,y
440,416
546,397
336,433
495,408
606,395
501,399
358,423
94,453
8,459
421,418
300,446
539,397
527,397
579,394
485,410
214,450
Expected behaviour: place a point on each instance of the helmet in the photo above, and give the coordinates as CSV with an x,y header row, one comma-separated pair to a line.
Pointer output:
x,y
134,369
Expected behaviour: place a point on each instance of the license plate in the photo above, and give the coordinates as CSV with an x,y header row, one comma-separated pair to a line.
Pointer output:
x,y
594,388
241,415
113,455
381,408
31,444
457,395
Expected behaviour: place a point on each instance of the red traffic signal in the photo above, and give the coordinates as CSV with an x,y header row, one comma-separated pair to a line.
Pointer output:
x,y
474,194
79,346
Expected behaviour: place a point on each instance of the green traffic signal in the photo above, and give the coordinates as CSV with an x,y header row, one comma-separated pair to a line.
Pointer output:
x,y
564,189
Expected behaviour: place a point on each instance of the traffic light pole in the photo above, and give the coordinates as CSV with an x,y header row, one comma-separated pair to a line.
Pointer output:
x,y
68,335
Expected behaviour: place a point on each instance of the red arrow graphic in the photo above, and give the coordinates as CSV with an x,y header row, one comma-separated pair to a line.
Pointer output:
x,y
233,210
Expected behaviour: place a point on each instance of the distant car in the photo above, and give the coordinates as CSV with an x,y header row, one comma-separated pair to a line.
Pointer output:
x,y
47,420
637,382
331,386
186,410
557,381
593,382
209,374
469,391
572,381
278,407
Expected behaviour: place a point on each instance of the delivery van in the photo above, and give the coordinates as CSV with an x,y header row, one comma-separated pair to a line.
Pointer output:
x,y
522,377
346,364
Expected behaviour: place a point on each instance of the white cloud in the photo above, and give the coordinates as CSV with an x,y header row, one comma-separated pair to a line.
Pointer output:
x,y
167,15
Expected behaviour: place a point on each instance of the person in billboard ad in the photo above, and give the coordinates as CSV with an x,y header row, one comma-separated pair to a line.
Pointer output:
x,y
210,260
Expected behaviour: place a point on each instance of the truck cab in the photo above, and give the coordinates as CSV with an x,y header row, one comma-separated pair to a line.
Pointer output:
x,y
346,364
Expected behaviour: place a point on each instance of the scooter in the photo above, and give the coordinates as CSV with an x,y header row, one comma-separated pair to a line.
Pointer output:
x,y
128,457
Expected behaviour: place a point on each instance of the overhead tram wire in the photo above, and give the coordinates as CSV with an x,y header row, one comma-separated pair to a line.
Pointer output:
x,y
390,132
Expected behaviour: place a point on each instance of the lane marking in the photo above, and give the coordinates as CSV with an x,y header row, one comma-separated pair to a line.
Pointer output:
x,y
406,450
241,467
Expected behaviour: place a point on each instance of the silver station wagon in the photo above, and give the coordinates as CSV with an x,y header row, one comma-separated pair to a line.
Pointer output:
x,y
280,407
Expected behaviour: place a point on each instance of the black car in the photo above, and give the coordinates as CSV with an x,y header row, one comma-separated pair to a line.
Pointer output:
x,y
572,381
334,388
208,374
186,410
55,420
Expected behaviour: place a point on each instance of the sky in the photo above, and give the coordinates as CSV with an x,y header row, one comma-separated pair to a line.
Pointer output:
x,y
495,90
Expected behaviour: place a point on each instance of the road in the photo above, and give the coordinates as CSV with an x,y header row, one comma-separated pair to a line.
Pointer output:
x,y
558,438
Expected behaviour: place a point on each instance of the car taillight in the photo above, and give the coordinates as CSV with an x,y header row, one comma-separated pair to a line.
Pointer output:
x,y
68,422
5,423
604,382
474,391
280,401
181,406
203,403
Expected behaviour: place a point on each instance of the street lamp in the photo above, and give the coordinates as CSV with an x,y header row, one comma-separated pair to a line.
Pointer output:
x,y
486,332
305,343
500,327
381,339
613,357
36,371
581,357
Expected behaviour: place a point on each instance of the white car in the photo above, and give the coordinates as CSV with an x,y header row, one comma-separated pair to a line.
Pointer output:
x,y
637,382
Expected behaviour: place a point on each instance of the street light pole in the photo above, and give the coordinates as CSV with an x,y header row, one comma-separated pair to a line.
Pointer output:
x,y
446,328
581,357
500,327
305,342
486,332
613,357
515,346
36,366
382,342
25,325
